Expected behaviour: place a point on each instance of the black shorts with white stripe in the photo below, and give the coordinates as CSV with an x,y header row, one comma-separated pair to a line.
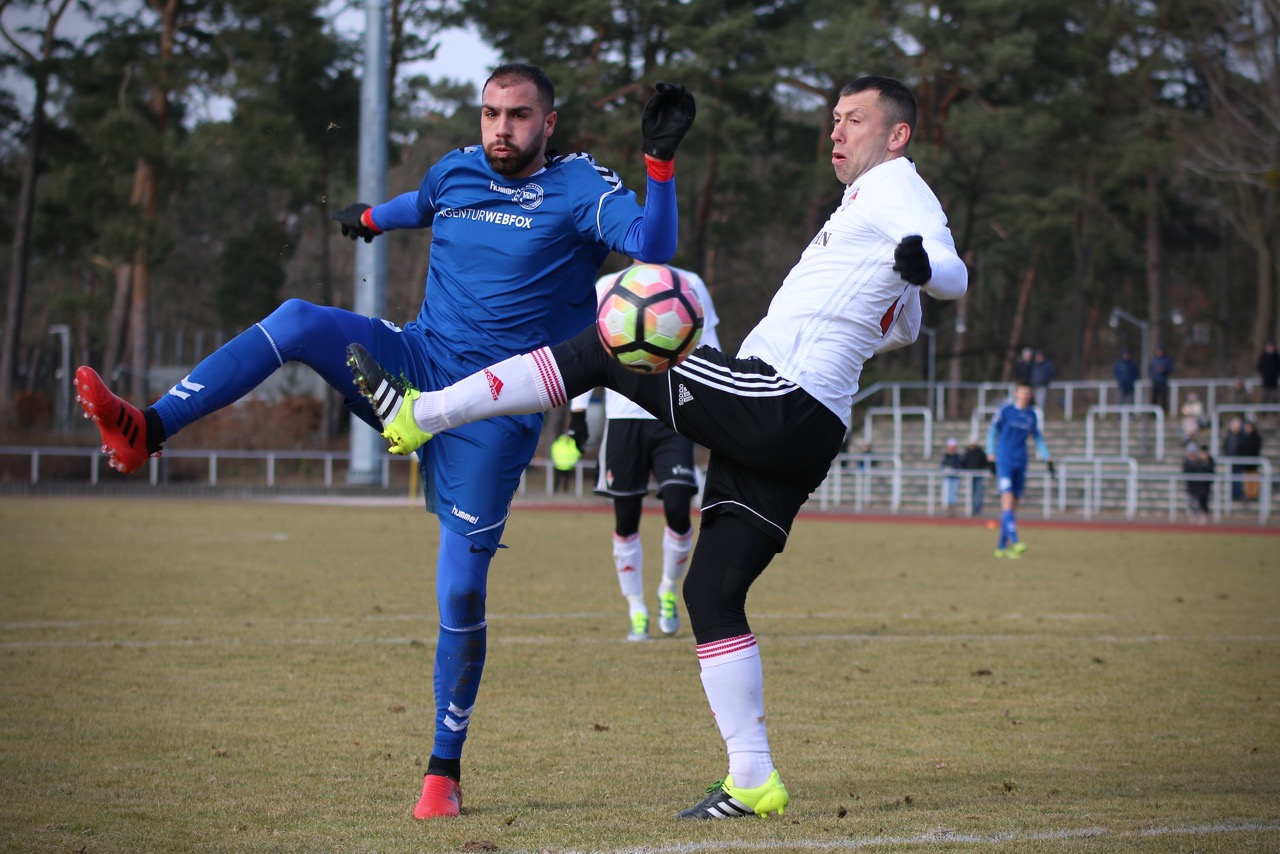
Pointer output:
x,y
634,448
771,442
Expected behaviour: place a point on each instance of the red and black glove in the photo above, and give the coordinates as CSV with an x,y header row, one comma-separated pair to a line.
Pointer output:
x,y
667,118
357,222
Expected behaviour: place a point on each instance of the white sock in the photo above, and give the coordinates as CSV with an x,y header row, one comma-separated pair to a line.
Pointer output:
x,y
734,683
675,557
523,384
628,559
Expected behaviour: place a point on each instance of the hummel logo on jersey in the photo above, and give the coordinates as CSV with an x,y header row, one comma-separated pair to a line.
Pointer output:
x,y
683,396
495,384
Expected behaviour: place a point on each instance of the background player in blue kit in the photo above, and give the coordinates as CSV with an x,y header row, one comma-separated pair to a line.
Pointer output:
x,y
518,238
1007,447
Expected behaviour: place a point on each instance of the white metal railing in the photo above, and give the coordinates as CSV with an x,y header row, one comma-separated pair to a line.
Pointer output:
x,y
1086,486
1124,412
897,413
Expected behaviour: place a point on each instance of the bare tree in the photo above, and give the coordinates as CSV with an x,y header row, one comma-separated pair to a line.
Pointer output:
x,y
37,68
1240,67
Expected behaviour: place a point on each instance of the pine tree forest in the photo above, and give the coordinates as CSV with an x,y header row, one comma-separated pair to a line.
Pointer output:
x,y
170,167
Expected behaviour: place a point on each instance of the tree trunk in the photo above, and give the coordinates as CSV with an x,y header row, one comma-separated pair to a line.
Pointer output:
x,y
1155,284
21,259
146,196
1015,328
21,255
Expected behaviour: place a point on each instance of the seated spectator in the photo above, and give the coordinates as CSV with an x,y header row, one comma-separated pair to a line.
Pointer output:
x,y
1193,419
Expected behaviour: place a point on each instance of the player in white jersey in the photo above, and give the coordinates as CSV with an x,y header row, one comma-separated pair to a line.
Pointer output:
x,y
773,417
635,444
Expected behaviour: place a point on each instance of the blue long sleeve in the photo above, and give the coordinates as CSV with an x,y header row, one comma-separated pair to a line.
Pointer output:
x,y
653,238
400,212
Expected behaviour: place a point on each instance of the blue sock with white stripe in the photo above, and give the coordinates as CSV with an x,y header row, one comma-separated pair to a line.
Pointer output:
x,y
1008,528
461,586
222,378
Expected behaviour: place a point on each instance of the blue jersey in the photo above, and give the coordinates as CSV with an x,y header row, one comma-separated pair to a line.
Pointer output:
x,y
514,262
1007,438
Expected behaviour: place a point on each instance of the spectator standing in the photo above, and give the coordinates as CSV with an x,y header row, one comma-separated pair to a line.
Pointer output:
x,y
1159,370
1232,446
1198,462
952,462
1269,371
975,460
1022,367
1250,446
1042,373
1126,374
1192,412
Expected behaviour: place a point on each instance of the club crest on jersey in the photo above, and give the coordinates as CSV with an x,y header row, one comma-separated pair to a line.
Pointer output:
x,y
528,197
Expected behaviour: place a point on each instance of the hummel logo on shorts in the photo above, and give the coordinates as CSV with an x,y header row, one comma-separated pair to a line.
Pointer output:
x,y
684,396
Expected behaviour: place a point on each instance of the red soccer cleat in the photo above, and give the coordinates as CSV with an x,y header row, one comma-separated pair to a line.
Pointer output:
x,y
441,798
122,425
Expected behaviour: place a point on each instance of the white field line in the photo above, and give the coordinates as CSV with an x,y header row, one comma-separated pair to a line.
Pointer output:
x,y
944,836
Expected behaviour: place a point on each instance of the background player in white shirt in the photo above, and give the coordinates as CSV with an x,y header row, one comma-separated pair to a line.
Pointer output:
x,y
635,444
773,417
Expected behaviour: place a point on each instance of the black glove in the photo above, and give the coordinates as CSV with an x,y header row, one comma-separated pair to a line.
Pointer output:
x,y
667,118
578,428
352,227
991,466
1053,470
911,261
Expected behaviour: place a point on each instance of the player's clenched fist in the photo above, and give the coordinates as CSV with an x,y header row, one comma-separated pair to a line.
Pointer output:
x,y
356,223
911,262
667,118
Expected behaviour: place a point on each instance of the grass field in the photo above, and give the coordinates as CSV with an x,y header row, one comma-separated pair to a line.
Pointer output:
x,y
192,675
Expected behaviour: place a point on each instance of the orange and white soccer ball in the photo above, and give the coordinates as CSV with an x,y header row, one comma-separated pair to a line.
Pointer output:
x,y
649,318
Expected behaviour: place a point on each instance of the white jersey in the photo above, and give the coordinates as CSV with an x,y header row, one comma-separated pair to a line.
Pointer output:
x,y
842,301
619,406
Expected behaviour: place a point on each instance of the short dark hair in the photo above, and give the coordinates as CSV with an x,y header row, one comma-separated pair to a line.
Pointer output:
x,y
899,101
509,72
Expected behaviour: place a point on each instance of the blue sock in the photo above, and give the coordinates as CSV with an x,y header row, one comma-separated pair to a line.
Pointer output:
x,y
223,377
461,582
299,331
1006,523
1008,528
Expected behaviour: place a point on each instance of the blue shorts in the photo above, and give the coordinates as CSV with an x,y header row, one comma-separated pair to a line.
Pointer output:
x,y
469,473
1011,479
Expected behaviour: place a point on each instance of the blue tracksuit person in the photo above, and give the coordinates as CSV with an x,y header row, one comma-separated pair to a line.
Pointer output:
x,y
1007,447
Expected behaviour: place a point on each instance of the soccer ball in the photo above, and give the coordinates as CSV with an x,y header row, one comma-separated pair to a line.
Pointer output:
x,y
649,318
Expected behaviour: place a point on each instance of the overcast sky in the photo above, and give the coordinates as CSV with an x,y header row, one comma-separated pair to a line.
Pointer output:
x,y
462,56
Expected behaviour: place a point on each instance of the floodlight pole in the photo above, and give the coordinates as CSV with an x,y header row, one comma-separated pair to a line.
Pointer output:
x,y
367,447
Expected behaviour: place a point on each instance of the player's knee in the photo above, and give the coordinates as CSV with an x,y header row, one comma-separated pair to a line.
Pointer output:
x,y
288,320
461,603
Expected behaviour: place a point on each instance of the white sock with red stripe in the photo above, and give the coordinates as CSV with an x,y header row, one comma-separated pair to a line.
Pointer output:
x,y
628,559
675,557
734,682
520,385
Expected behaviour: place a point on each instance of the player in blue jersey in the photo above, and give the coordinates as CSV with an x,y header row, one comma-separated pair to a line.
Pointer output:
x,y
518,238
1007,448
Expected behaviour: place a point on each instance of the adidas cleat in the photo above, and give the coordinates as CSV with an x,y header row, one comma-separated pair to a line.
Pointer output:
x,y
724,800
1018,548
122,426
668,619
639,627
391,398
441,798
